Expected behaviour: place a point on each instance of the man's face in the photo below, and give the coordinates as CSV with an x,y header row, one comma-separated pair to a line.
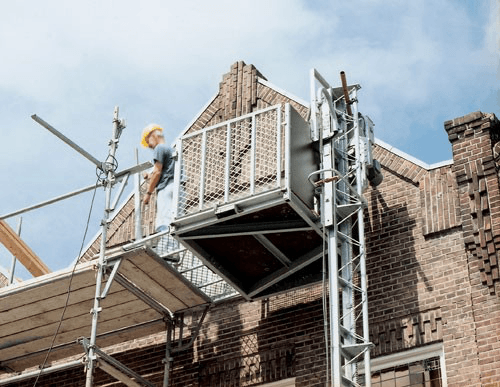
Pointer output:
x,y
152,140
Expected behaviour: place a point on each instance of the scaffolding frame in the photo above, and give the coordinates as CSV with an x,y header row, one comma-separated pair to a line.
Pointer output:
x,y
108,269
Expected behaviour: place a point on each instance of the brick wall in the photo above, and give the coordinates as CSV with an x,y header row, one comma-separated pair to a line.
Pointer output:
x,y
473,138
245,344
419,291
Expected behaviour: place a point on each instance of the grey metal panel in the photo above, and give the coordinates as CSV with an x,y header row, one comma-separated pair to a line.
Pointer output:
x,y
302,160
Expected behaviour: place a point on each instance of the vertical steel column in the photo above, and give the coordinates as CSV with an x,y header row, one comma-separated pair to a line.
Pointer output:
x,y
101,266
227,169
343,180
253,135
201,196
14,259
347,319
278,145
168,359
179,199
361,238
329,199
137,200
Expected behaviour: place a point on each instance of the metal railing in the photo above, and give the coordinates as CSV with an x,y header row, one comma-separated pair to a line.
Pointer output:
x,y
234,159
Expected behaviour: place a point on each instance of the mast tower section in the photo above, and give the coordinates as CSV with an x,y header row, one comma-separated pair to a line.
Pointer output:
x,y
345,139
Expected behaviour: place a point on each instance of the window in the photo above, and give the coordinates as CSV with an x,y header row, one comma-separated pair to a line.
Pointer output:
x,y
422,373
420,367
282,383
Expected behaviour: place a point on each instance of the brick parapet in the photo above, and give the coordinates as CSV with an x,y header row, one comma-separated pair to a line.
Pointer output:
x,y
475,169
474,140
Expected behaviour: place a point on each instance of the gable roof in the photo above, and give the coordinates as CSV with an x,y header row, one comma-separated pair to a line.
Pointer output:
x,y
242,90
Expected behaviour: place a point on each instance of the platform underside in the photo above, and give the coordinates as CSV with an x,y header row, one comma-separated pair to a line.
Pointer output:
x,y
261,245
144,290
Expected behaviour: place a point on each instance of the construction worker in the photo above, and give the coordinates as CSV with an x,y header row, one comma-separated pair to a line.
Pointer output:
x,y
161,177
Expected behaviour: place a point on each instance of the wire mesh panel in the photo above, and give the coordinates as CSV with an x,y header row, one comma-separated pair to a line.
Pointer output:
x,y
191,167
268,150
240,165
231,160
192,268
214,166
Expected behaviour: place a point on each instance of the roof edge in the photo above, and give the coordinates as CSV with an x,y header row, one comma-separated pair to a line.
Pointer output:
x,y
412,159
283,92
195,118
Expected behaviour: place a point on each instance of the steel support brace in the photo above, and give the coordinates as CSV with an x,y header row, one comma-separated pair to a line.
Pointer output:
x,y
113,367
142,296
194,335
122,368
116,267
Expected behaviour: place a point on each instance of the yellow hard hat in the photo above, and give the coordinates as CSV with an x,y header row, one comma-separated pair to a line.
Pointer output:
x,y
147,131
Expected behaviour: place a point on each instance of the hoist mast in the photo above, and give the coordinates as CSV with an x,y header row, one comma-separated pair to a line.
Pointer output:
x,y
344,139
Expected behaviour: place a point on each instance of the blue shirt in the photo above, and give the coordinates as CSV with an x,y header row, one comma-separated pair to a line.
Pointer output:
x,y
163,154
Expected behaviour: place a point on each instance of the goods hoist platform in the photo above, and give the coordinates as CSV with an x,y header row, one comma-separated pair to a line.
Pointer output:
x,y
258,196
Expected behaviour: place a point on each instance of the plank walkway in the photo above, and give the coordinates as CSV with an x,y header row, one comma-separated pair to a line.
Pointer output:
x,y
30,311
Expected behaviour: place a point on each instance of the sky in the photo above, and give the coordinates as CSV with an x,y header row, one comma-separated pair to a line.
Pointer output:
x,y
419,63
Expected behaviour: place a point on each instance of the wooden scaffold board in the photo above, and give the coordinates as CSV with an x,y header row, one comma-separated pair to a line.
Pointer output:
x,y
31,311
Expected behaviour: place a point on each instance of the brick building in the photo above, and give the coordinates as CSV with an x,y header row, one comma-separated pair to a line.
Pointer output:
x,y
432,238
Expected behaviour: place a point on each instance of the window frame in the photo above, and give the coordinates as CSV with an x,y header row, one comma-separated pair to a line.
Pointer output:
x,y
290,382
410,356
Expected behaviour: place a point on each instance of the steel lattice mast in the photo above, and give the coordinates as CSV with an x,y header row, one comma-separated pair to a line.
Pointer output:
x,y
345,138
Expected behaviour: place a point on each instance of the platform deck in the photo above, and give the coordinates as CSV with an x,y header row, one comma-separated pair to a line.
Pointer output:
x,y
30,311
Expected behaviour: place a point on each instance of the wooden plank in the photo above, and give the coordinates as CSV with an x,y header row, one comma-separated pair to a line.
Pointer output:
x,y
37,357
22,320
123,315
46,287
82,320
21,250
30,312
19,311
171,280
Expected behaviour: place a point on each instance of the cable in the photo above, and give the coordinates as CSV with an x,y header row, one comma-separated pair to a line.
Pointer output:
x,y
69,287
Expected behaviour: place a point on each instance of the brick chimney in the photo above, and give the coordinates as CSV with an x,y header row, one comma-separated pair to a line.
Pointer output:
x,y
475,143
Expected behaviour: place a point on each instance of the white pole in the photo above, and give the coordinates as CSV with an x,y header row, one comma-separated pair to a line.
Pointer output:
x,y
137,200
101,266
14,259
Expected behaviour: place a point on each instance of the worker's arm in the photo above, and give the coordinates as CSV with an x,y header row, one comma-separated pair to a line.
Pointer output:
x,y
154,178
